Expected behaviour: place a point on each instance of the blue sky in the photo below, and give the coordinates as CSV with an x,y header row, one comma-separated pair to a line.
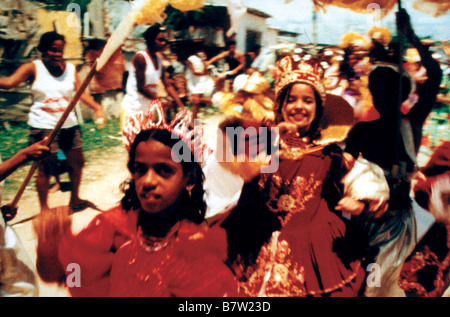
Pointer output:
x,y
297,16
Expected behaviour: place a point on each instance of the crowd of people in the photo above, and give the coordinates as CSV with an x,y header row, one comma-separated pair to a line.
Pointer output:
x,y
310,181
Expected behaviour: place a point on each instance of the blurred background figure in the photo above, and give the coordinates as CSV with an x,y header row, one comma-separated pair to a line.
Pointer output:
x,y
234,64
200,84
146,73
392,141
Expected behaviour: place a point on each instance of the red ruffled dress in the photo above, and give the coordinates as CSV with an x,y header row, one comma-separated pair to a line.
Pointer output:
x,y
116,259
314,253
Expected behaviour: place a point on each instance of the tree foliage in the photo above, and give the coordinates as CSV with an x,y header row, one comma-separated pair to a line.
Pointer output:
x,y
208,16
63,5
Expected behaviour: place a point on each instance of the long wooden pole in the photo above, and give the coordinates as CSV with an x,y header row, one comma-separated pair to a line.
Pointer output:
x,y
114,43
398,136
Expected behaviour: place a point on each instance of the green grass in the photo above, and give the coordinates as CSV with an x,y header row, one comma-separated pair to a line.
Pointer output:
x,y
94,139
12,141
96,143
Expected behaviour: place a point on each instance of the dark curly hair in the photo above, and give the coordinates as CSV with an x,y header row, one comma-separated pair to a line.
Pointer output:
x,y
314,131
152,32
194,205
47,40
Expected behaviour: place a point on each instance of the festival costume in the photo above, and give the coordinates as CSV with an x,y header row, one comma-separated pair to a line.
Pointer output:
x,y
298,244
355,77
314,251
425,272
116,258
189,262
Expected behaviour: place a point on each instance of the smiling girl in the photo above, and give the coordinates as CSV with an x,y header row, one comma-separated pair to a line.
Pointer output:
x,y
290,234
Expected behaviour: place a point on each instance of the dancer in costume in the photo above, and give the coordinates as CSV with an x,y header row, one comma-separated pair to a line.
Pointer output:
x,y
392,142
288,235
155,243
426,272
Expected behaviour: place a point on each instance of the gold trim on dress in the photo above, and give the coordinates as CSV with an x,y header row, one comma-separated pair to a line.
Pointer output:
x,y
288,197
276,274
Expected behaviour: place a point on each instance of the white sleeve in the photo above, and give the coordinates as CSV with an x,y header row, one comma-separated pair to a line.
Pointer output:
x,y
366,181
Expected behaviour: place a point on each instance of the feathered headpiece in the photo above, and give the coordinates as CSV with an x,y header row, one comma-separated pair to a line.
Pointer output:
x,y
155,119
381,34
257,106
353,39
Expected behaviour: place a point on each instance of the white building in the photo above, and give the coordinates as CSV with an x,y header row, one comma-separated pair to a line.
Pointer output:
x,y
254,30
251,27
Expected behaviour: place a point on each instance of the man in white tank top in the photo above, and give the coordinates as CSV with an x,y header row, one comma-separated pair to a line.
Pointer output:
x,y
144,74
53,83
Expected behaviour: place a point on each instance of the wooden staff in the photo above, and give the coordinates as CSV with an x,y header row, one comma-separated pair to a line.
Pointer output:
x,y
9,211
114,43
398,136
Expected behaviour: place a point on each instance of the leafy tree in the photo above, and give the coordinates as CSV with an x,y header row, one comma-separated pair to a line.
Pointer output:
x,y
208,16
62,5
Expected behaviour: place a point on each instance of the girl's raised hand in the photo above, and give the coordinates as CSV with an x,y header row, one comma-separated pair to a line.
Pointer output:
x,y
287,129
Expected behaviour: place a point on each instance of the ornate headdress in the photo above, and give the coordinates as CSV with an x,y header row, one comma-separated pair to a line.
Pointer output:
x,y
338,116
155,119
302,71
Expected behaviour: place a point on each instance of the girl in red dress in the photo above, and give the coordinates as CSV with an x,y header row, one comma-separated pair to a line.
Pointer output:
x,y
290,234
155,243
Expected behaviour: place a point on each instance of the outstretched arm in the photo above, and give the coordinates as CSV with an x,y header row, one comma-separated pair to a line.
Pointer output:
x,y
430,88
216,58
34,151
241,58
22,74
